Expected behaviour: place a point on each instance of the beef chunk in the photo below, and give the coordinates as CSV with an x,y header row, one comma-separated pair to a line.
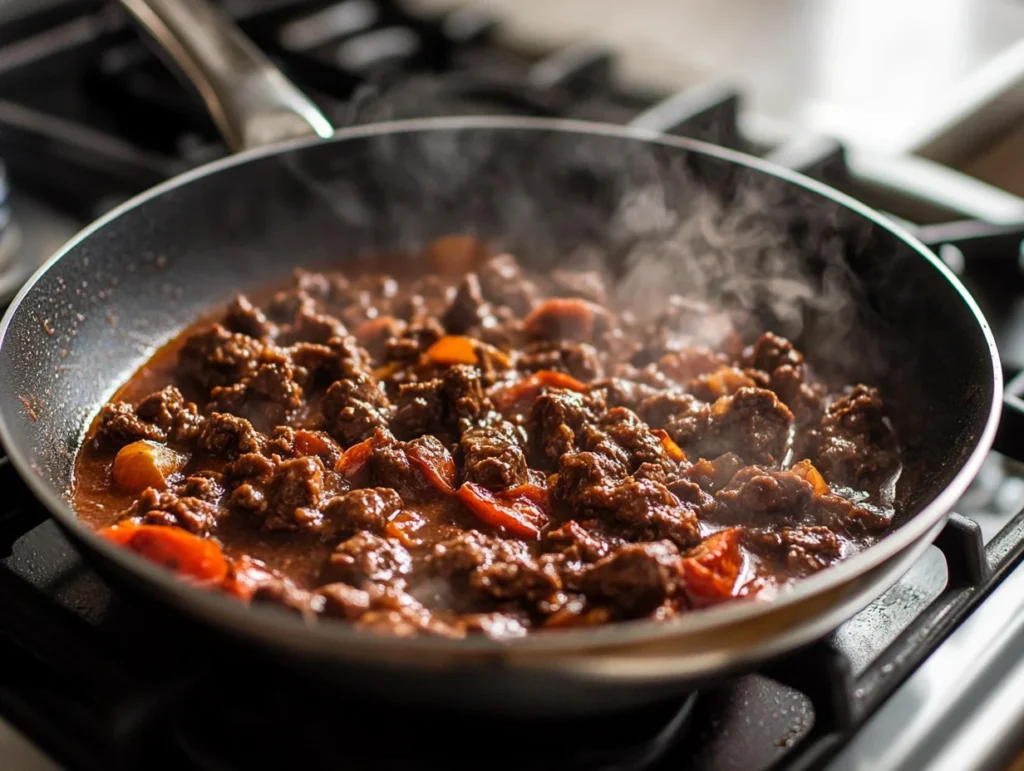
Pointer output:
x,y
166,508
396,613
460,555
245,318
160,417
681,415
620,392
168,409
365,509
293,496
468,308
623,436
495,568
354,408
803,550
250,466
504,283
274,382
284,594
344,601
367,559
581,360
119,425
854,443
216,357
420,335
577,543
494,456
770,352
291,443
206,486
756,492
636,579
586,481
445,406
596,484
557,416
228,436
391,467
514,574
649,511
753,423
311,327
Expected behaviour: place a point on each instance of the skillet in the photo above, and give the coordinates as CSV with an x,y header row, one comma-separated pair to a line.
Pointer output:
x,y
299,193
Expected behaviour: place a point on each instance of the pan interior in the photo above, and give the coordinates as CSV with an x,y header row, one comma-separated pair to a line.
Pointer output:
x,y
860,301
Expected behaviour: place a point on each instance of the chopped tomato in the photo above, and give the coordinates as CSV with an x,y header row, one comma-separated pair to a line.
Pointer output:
x,y
356,457
311,443
727,380
515,510
528,387
563,318
711,571
673,450
145,464
188,555
805,469
378,329
437,466
453,349
245,577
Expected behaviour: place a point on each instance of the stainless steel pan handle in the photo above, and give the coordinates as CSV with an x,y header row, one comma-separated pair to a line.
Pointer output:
x,y
250,100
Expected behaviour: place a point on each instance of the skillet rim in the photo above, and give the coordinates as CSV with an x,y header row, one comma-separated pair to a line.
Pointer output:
x,y
269,622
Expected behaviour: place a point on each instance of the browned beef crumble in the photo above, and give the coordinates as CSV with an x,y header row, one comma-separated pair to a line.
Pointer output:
x,y
485,450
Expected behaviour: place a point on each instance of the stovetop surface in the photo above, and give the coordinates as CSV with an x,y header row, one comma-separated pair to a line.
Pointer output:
x,y
89,116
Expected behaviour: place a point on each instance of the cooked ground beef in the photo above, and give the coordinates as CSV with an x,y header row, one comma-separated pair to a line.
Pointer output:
x,y
485,449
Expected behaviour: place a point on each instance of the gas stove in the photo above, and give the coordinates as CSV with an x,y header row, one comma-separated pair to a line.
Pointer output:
x,y
927,676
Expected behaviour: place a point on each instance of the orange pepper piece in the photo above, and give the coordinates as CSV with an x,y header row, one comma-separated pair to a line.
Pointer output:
x,y
516,512
453,349
805,469
199,559
673,450
530,386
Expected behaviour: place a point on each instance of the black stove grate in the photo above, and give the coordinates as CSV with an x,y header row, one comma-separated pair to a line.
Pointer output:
x,y
90,116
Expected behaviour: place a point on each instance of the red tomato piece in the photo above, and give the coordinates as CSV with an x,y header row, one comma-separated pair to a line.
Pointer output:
x,y
530,386
245,577
711,571
563,318
199,559
356,457
311,443
673,450
438,467
514,510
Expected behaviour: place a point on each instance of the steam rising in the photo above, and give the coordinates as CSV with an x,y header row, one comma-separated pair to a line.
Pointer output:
x,y
761,253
